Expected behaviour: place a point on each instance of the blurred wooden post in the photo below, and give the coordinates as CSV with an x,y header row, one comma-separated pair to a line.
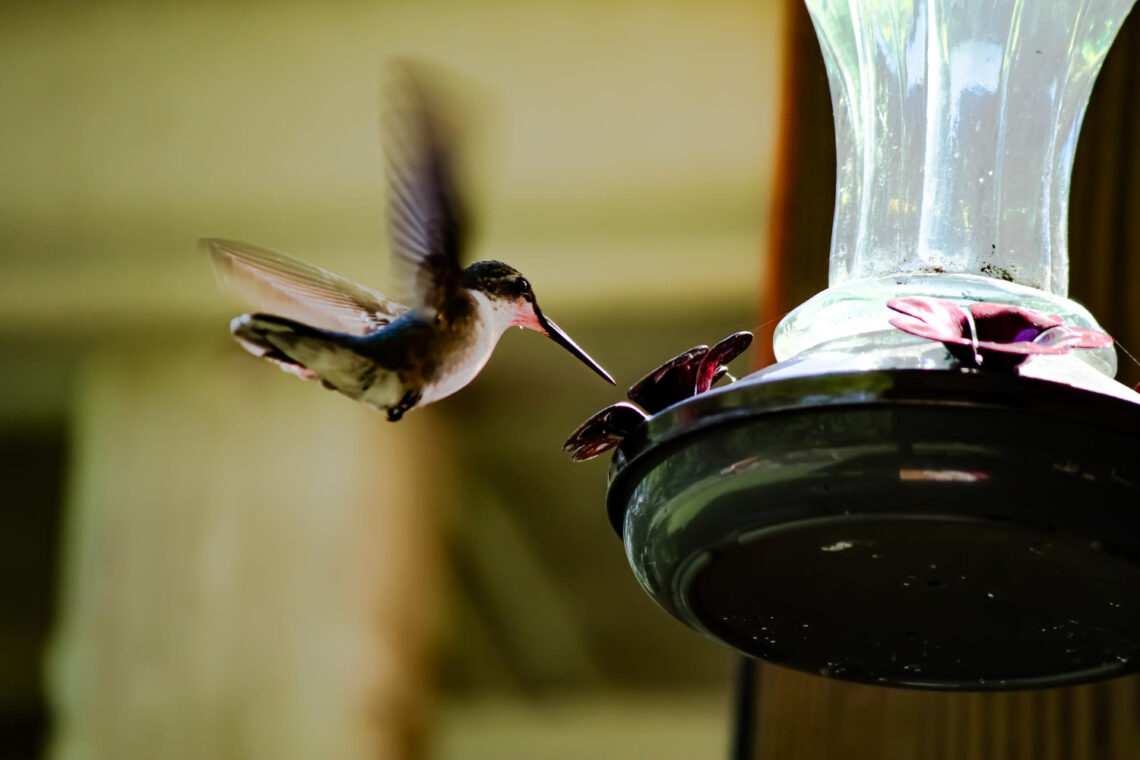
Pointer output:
x,y
1104,204
251,568
803,186
809,718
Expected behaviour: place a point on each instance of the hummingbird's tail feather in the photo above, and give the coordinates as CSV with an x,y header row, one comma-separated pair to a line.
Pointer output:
x,y
251,332
307,352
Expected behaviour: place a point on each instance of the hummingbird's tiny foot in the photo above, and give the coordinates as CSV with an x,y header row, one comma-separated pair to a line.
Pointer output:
x,y
406,402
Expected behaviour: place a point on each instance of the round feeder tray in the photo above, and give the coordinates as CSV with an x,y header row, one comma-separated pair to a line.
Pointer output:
x,y
923,528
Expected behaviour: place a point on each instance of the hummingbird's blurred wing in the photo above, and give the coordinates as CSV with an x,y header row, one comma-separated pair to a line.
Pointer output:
x,y
291,288
426,219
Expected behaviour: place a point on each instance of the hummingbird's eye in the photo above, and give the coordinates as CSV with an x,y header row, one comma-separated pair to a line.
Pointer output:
x,y
522,286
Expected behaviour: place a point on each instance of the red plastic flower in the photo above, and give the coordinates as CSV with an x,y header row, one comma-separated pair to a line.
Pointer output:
x,y
685,375
991,336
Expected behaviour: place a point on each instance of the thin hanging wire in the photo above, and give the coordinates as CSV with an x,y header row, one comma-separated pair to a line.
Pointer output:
x,y
973,337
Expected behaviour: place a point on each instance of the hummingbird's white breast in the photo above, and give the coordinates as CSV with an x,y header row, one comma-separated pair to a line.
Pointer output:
x,y
466,360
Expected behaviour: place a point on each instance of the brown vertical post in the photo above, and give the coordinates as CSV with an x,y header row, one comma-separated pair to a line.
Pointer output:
x,y
1104,204
803,188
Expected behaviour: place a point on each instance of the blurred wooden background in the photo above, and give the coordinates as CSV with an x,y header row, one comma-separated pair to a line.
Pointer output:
x,y
211,559
207,558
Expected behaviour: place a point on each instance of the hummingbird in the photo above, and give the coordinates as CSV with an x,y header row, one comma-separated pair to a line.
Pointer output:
x,y
352,339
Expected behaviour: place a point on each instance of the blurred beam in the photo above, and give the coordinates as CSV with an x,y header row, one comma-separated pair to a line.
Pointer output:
x,y
195,111
587,272
250,567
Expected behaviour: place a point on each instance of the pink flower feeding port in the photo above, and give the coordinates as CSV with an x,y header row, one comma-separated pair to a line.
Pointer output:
x,y
689,373
991,336
938,484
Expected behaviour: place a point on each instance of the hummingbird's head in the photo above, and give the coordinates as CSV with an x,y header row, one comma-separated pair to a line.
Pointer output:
x,y
509,294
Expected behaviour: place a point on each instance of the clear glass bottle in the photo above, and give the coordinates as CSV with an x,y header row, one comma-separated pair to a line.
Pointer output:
x,y
956,127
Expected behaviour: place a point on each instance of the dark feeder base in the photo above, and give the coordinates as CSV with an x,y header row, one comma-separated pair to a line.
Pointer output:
x,y
919,528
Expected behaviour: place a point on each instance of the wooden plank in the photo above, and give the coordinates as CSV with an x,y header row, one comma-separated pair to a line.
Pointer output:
x,y
251,568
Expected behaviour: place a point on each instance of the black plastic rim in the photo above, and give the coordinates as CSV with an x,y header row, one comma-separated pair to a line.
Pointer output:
x,y
949,530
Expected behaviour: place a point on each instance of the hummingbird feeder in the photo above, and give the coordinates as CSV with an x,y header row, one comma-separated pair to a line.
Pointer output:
x,y
938,484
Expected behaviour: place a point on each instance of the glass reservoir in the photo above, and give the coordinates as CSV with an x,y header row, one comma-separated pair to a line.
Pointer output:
x,y
956,127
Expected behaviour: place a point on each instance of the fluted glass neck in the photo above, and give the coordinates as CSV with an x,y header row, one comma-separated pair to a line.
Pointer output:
x,y
956,124
956,127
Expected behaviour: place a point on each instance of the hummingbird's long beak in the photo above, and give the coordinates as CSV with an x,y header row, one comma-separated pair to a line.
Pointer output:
x,y
555,333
